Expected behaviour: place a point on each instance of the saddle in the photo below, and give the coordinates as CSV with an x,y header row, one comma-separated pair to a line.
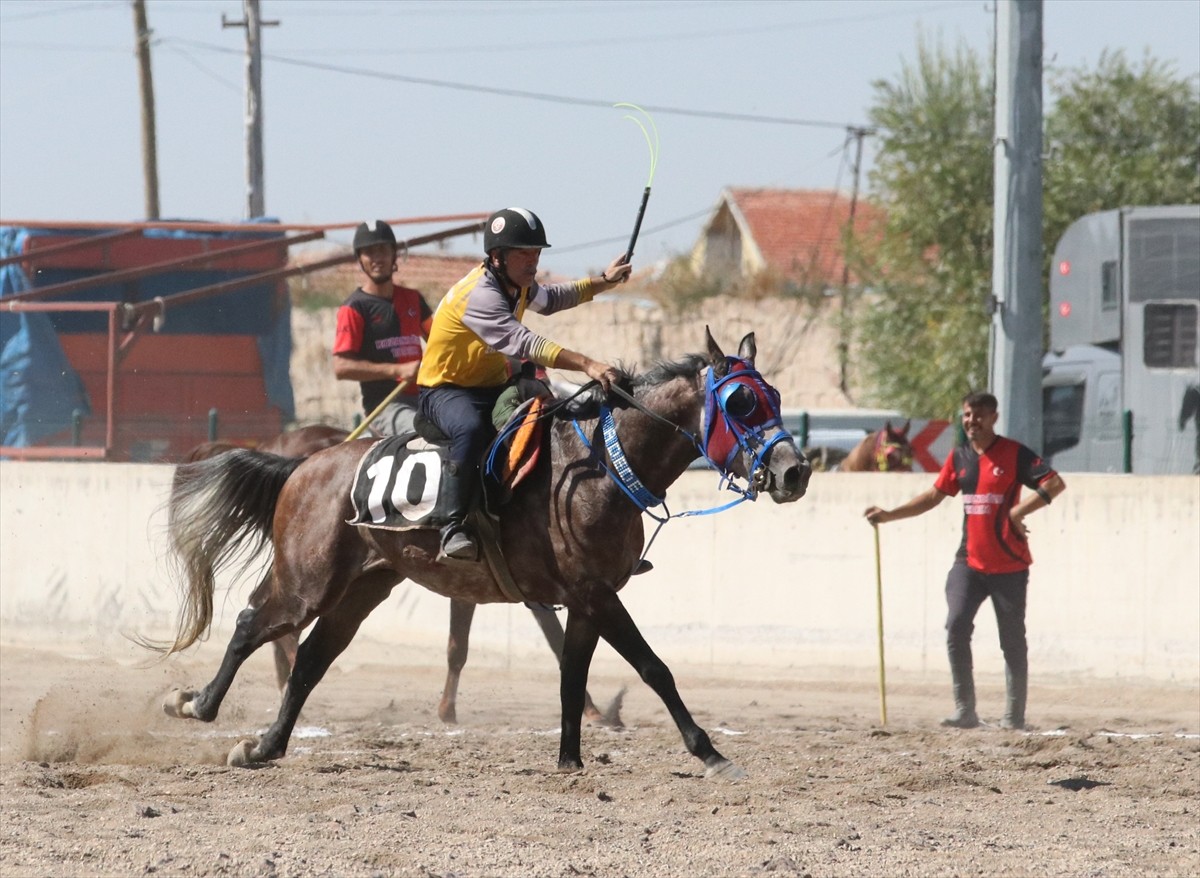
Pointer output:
x,y
393,488
397,482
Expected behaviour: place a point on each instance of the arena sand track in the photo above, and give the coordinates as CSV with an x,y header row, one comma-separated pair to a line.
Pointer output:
x,y
95,780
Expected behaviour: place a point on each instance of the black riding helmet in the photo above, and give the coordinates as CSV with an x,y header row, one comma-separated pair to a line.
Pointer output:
x,y
514,228
372,233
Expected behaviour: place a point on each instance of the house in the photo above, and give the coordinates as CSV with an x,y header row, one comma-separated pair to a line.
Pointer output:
x,y
793,234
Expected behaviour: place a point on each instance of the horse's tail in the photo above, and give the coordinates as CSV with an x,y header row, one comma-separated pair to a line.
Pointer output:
x,y
219,509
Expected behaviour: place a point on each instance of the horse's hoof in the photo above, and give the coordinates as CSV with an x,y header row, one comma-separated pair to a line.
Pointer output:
x,y
724,770
179,704
570,766
239,756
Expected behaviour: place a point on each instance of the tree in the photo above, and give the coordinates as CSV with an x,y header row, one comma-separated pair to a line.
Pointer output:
x,y
1115,136
922,342
1119,136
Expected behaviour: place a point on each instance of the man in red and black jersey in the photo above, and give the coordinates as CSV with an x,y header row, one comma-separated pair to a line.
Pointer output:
x,y
993,559
379,330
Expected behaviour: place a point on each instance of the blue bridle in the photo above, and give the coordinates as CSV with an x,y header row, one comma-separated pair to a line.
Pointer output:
x,y
721,404
720,396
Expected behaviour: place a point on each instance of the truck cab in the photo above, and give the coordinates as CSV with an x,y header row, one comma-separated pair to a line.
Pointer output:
x,y
1081,410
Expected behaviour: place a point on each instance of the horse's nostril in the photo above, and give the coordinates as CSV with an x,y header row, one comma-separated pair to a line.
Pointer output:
x,y
796,477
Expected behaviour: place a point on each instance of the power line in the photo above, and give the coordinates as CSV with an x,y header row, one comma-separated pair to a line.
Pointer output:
x,y
66,47
46,9
519,93
489,8
627,39
662,227
212,74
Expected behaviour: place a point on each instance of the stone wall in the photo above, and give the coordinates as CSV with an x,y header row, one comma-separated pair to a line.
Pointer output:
x,y
797,347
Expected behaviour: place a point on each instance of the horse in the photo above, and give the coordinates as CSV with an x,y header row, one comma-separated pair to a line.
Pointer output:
x,y
571,534
885,451
303,441
300,442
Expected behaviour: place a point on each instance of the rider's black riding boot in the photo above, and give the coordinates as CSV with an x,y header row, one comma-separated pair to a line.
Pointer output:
x,y
964,716
1018,687
457,542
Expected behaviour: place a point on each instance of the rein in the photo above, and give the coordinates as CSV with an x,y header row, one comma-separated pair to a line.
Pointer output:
x,y
747,438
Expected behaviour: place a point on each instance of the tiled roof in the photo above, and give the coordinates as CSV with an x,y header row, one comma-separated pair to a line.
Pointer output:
x,y
798,231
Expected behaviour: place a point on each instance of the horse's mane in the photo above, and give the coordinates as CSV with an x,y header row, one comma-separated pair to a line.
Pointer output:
x,y
587,405
664,371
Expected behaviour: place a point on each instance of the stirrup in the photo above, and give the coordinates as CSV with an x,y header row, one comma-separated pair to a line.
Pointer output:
x,y
643,566
458,546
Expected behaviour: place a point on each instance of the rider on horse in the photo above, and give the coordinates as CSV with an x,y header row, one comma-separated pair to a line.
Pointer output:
x,y
475,337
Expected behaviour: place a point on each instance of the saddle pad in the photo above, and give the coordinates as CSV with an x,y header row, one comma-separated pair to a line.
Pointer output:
x,y
397,485
524,447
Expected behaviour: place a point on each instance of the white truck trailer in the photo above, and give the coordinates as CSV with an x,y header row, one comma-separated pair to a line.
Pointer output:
x,y
1121,382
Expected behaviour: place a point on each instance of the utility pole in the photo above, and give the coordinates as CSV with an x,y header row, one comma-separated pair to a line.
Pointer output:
x,y
253,23
858,134
1015,355
141,33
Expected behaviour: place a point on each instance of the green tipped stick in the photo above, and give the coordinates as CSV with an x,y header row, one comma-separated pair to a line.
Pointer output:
x,y
652,143
879,625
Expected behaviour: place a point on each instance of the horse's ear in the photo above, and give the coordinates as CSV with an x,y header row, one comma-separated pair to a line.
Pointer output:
x,y
747,350
716,356
904,429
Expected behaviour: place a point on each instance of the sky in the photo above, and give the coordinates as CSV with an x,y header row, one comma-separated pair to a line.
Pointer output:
x,y
419,108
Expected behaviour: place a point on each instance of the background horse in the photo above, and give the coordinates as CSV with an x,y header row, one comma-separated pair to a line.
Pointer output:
x,y
571,534
884,451
303,441
300,442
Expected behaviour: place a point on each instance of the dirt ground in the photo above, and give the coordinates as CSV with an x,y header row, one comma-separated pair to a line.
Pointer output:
x,y
95,780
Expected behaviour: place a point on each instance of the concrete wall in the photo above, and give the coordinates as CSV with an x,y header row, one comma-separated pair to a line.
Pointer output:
x,y
1115,590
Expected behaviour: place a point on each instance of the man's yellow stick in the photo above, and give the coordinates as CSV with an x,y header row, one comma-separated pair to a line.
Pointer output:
x,y
879,617
361,428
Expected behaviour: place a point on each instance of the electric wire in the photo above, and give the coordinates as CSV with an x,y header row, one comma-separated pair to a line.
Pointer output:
x,y
508,92
661,227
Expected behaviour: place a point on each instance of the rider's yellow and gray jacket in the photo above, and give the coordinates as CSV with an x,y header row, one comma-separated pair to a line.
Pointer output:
x,y
477,328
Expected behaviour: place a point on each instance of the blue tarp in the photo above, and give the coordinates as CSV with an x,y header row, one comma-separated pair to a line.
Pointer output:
x,y
40,390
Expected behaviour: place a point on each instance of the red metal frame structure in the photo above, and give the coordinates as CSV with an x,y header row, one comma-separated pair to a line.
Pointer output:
x,y
44,452
81,244
126,321
207,259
